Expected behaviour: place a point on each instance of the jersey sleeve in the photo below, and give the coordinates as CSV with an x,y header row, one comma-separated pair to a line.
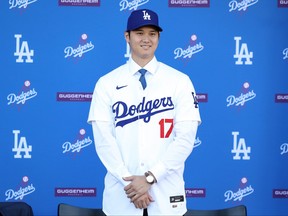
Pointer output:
x,y
100,117
186,105
100,106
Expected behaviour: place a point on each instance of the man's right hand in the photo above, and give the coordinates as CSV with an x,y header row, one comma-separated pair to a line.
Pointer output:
x,y
143,201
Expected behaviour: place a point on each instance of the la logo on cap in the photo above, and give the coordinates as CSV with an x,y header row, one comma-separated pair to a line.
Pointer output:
x,y
146,16
143,17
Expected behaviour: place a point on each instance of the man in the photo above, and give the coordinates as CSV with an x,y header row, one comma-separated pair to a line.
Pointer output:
x,y
144,130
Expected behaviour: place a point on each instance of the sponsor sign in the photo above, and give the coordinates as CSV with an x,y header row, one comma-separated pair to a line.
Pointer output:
x,y
189,3
280,193
283,3
75,192
74,96
195,192
281,98
79,3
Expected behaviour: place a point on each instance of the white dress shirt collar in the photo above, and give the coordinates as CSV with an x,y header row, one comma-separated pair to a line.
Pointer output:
x,y
151,67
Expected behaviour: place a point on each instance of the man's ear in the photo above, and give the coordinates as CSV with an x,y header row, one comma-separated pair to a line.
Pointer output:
x,y
127,36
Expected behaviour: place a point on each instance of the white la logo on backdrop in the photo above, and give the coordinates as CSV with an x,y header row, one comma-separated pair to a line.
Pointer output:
x,y
21,146
23,50
239,147
242,52
128,53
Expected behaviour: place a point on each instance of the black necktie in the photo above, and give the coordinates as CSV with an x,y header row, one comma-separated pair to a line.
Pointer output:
x,y
142,78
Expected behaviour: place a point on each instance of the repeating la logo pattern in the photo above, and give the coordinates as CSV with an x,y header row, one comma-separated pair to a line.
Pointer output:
x,y
22,50
241,51
192,48
81,142
20,3
284,148
241,5
245,95
285,53
83,47
25,189
21,147
27,93
131,5
243,191
239,147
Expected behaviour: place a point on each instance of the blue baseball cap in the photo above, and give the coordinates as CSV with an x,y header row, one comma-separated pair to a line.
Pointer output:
x,y
143,17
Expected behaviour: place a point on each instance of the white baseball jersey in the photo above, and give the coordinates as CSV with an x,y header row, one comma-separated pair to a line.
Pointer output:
x,y
140,130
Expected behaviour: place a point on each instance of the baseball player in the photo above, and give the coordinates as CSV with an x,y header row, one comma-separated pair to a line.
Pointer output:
x,y
144,130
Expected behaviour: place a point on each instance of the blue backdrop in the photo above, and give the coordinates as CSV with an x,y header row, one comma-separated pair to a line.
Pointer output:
x,y
235,51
